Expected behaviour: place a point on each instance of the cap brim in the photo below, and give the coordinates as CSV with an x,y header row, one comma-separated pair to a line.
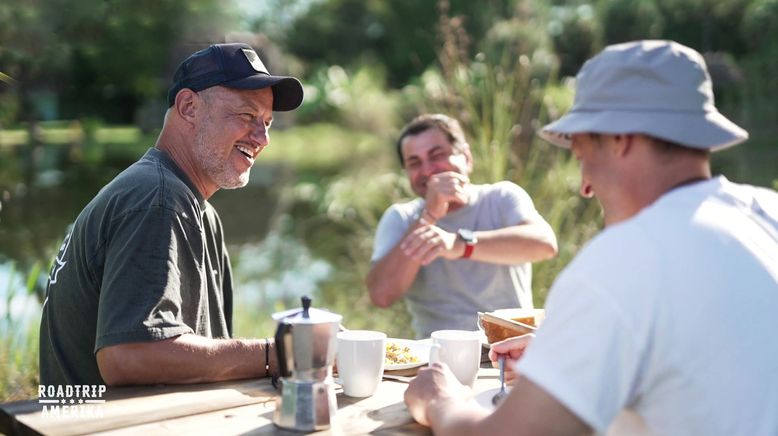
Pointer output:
x,y
703,130
287,91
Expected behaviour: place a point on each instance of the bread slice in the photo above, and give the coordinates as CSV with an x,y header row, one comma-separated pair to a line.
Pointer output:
x,y
507,323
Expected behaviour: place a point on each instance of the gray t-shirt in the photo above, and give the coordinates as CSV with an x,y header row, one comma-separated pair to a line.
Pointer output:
x,y
144,261
447,294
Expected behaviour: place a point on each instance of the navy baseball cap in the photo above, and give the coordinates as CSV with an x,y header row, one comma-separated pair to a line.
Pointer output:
x,y
234,65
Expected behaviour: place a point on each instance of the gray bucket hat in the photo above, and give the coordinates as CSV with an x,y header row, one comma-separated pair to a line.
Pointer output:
x,y
657,88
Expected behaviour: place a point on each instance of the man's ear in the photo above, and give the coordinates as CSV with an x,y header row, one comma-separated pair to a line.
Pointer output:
x,y
623,144
186,104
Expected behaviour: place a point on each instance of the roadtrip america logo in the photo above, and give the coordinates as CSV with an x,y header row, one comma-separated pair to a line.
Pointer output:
x,y
71,400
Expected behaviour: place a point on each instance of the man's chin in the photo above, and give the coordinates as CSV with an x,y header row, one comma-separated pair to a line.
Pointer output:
x,y
240,182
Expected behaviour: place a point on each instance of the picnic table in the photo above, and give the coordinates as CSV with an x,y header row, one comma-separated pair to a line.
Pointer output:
x,y
234,407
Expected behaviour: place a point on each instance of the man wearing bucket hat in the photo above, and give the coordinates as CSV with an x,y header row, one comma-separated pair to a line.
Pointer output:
x,y
669,313
141,289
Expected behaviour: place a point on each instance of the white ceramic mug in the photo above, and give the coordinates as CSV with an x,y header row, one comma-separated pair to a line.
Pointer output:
x,y
460,350
360,359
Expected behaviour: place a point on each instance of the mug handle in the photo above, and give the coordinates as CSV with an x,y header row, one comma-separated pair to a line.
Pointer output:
x,y
435,353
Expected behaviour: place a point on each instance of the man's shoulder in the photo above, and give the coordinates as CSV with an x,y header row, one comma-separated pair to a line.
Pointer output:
x,y
145,184
406,208
501,189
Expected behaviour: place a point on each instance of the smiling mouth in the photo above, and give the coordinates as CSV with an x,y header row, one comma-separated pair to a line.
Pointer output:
x,y
245,151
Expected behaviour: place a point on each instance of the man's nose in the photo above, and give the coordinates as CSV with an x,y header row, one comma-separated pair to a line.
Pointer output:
x,y
260,133
428,168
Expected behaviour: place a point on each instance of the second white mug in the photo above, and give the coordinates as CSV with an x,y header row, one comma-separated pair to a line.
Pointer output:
x,y
460,350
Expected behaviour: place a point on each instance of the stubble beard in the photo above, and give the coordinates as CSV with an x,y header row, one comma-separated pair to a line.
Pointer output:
x,y
217,167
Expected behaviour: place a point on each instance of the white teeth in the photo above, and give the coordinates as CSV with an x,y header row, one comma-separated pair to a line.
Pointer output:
x,y
248,152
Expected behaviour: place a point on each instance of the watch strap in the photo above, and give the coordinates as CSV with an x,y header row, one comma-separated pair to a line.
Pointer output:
x,y
469,247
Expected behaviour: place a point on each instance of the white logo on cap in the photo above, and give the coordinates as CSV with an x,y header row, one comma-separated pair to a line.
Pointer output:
x,y
254,60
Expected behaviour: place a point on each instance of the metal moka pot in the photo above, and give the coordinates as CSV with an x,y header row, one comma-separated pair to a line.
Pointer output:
x,y
306,341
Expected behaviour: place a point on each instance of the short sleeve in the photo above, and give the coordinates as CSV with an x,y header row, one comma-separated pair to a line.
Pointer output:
x,y
390,230
150,261
585,354
516,205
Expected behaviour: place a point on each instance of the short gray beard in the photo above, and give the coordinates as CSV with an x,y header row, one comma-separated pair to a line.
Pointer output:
x,y
219,170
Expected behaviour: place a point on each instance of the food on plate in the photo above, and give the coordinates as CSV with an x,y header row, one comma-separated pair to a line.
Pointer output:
x,y
399,355
507,323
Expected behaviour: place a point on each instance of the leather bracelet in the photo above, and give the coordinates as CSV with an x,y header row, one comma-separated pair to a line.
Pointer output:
x,y
267,357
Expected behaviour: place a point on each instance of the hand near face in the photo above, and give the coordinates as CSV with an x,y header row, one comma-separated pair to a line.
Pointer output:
x,y
443,189
432,384
512,349
428,242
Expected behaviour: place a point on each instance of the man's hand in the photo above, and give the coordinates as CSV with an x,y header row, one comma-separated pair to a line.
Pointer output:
x,y
444,189
434,384
512,349
428,242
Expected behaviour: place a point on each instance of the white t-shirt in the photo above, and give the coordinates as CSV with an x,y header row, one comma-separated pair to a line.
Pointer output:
x,y
672,314
448,294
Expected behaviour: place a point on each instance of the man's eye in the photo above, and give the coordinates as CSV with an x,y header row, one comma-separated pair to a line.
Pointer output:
x,y
247,117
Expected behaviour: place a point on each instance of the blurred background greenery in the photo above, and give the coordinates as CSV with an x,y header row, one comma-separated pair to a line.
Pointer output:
x,y
82,86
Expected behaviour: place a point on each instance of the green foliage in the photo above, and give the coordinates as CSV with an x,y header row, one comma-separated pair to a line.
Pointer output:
x,y
629,20
760,24
19,343
704,24
320,149
103,58
400,34
576,34
357,100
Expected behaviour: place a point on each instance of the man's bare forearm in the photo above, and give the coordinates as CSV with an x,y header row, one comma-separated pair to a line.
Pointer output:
x,y
184,359
391,277
512,245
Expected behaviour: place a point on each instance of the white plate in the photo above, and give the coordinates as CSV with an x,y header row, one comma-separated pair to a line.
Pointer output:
x,y
418,348
484,399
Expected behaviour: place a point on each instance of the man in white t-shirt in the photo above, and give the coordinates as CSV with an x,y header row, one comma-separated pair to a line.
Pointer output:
x,y
459,248
670,312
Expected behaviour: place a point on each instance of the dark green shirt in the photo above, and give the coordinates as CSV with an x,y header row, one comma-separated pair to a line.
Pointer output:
x,y
144,261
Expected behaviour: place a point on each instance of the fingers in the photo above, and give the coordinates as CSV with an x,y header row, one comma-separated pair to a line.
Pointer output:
x,y
427,243
430,384
511,347
443,188
423,245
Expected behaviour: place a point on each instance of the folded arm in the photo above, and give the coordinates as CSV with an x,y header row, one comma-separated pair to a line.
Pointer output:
x,y
530,241
184,359
390,277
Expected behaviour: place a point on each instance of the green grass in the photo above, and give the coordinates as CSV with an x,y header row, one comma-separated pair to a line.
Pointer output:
x,y
64,133
19,342
317,146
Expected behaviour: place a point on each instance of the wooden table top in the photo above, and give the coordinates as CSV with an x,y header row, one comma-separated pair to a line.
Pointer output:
x,y
236,407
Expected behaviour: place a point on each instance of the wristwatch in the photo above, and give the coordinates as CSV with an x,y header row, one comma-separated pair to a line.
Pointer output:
x,y
468,237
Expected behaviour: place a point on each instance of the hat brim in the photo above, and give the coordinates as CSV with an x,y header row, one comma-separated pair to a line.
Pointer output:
x,y
287,91
709,130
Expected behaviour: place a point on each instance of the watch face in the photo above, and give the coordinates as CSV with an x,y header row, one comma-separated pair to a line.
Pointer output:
x,y
466,235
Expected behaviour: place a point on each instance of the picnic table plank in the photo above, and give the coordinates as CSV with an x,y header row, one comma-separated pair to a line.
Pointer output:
x,y
235,407
125,407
